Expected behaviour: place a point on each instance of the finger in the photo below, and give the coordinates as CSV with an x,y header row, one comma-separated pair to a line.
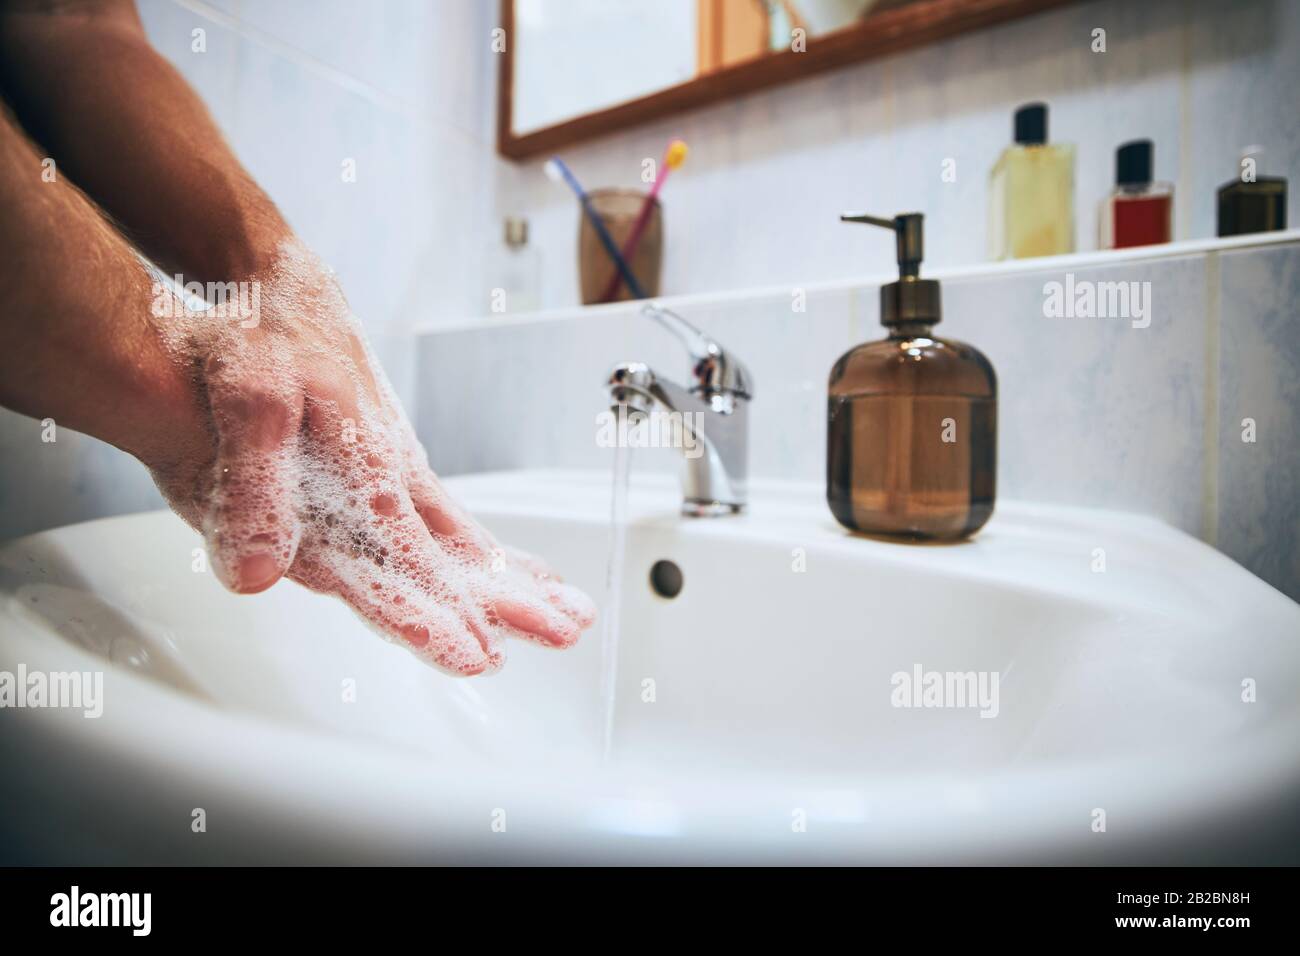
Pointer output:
x,y
536,620
381,557
252,526
531,563
444,518
572,602
569,600
524,617
433,633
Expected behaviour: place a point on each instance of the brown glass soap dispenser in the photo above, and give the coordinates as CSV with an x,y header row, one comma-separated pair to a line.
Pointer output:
x,y
912,449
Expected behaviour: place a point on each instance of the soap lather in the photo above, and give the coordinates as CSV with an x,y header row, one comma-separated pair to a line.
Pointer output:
x,y
912,443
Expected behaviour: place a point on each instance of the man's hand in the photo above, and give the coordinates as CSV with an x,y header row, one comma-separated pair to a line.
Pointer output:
x,y
315,473
279,438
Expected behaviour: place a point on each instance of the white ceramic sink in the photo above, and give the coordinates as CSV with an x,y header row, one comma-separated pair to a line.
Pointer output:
x,y
772,734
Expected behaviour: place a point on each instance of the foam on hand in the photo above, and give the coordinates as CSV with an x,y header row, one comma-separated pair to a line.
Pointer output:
x,y
319,474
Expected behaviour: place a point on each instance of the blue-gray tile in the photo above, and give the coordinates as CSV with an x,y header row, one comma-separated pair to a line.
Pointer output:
x,y
1092,411
1259,379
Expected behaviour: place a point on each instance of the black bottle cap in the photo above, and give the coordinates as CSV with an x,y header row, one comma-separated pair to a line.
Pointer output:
x,y
1133,163
1031,124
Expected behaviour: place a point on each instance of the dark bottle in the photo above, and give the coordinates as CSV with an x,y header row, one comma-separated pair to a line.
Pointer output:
x,y
912,444
1252,203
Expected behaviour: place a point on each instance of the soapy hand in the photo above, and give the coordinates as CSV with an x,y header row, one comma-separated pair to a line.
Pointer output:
x,y
314,473
274,433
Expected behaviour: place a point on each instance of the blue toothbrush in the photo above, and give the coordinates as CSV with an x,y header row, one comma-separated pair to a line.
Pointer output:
x,y
559,172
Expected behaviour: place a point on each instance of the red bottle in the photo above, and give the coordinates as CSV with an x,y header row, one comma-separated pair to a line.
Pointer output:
x,y
1138,212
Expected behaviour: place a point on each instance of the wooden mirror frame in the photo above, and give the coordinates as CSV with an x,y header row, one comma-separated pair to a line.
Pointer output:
x,y
901,28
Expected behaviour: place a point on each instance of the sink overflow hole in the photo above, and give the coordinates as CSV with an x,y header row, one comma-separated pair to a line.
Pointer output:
x,y
666,579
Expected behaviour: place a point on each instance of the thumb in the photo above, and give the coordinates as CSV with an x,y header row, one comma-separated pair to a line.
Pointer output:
x,y
252,526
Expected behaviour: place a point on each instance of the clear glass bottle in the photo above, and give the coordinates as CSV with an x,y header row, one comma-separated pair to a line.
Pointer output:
x,y
1138,212
516,271
1031,192
1251,202
912,419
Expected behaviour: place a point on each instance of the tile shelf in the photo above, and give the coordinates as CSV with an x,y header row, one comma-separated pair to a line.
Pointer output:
x,y
705,300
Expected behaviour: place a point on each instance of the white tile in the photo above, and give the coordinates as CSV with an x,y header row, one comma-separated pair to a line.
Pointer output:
x,y
213,70
296,130
427,57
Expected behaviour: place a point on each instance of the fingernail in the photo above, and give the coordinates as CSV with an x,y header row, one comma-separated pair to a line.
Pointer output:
x,y
417,635
257,572
561,633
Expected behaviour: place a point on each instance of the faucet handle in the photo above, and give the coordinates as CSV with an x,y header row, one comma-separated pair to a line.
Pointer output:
x,y
692,339
714,370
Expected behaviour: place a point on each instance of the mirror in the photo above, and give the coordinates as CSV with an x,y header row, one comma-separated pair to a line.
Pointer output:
x,y
574,69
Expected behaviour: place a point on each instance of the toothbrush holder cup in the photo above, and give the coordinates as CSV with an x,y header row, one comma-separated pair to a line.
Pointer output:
x,y
618,210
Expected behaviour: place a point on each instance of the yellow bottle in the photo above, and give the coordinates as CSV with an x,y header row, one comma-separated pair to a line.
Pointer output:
x,y
1031,192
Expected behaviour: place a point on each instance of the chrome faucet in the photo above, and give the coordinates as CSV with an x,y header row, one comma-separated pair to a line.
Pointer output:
x,y
712,415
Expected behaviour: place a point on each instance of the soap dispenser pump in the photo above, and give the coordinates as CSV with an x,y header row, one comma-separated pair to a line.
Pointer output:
x,y
912,445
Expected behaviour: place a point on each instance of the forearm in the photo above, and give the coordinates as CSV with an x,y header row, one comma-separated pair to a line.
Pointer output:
x,y
127,128
76,337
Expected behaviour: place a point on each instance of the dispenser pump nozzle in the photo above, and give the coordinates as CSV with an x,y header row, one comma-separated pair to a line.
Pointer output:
x,y
911,299
907,228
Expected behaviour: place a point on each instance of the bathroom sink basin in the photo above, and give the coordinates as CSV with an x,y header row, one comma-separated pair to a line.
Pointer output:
x,y
1139,699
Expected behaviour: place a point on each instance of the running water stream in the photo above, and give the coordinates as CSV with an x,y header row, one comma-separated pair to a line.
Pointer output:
x,y
613,594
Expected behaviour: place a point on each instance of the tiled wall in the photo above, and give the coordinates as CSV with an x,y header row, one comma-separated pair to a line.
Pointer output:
x,y
757,200
1257,485
1092,411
